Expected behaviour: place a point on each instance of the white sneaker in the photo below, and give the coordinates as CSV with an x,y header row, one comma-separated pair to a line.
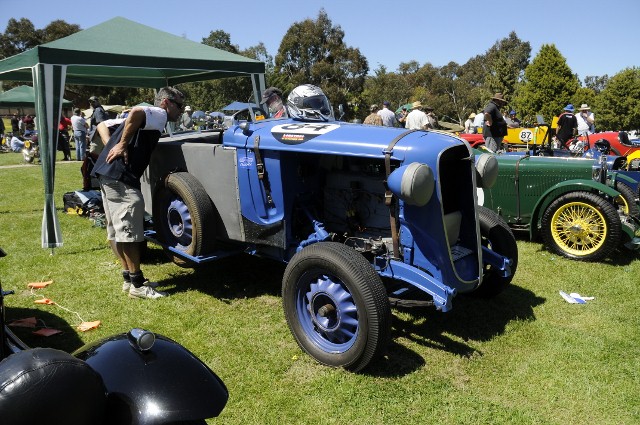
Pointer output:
x,y
145,292
127,285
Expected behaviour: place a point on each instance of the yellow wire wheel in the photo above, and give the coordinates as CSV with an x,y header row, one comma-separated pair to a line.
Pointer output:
x,y
582,226
626,201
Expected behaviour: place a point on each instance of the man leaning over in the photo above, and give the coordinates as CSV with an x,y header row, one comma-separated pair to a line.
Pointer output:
x,y
118,169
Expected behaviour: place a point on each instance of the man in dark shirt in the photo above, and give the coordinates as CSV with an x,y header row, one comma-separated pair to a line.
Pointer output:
x,y
99,114
119,168
567,125
495,127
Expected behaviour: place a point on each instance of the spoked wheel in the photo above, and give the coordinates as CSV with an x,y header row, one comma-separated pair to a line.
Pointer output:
x,y
336,306
497,236
627,201
184,217
581,226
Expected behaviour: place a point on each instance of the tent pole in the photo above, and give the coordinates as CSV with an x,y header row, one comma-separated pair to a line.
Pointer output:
x,y
48,83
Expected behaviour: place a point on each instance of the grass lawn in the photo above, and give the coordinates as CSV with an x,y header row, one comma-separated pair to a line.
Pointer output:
x,y
525,357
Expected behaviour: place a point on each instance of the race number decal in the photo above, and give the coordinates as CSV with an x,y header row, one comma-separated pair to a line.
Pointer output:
x,y
296,133
526,135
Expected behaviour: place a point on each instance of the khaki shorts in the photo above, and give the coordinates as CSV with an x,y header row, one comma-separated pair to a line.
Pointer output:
x,y
124,211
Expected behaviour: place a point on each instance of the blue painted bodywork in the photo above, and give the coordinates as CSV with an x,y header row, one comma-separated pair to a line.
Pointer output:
x,y
276,209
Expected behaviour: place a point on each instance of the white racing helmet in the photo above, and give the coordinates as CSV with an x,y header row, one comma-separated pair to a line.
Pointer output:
x,y
308,102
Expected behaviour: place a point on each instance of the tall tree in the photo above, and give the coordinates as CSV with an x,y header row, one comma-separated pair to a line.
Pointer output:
x,y
220,40
383,86
617,107
595,83
313,51
506,61
215,94
459,97
22,35
57,29
548,85
18,36
473,75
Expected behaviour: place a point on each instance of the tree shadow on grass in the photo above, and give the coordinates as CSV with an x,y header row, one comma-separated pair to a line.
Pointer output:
x,y
67,341
471,319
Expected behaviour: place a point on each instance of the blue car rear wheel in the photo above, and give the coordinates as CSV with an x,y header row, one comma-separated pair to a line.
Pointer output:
x,y
184,217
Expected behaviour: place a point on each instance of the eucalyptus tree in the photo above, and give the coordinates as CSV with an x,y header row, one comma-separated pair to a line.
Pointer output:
x,y
506,61
314,52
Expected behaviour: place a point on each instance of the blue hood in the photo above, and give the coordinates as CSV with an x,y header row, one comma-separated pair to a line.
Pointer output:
x,y
335,137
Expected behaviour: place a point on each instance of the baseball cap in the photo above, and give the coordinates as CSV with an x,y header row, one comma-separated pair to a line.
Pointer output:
x,y
270,92
386,103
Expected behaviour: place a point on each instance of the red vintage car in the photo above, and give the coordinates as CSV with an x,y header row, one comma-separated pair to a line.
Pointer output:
x,y
475,140
617,147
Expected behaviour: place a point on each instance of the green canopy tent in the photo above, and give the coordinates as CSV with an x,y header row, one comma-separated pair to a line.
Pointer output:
x,y
23,97
118,52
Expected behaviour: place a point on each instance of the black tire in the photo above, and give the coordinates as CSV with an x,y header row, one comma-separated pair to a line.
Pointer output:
x,y
184,217
497,236
336,306
629,202
581,226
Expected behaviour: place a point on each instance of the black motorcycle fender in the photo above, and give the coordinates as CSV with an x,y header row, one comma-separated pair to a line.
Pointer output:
x,y
164,384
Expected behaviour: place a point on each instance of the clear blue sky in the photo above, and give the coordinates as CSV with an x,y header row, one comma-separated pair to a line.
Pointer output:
x,y
595,37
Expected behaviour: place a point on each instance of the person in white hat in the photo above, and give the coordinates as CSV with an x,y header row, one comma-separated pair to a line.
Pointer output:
x,y
469,128
586,121
417,119
186,122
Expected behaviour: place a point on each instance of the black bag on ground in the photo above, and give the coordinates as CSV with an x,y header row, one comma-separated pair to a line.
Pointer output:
x,y
82,202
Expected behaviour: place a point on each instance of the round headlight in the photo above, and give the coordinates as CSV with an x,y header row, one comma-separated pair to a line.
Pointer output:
x,y
413,183
486,170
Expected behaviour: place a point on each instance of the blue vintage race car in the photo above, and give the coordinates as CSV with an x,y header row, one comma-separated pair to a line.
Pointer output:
x,y
361,215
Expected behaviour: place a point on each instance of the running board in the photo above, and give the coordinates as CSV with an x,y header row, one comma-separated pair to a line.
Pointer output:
x,y
150,235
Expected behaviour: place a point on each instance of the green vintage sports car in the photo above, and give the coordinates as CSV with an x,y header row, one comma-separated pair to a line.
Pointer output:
x,y
563,201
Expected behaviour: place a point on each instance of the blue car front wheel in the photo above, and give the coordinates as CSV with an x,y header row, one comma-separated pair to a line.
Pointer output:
x,y
336,306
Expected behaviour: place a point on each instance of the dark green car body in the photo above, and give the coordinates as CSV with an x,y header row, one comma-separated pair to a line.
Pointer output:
x,y
527,186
